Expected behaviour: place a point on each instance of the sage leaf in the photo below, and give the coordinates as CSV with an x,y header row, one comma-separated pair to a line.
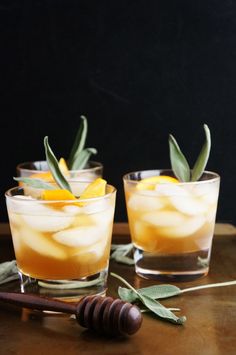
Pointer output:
x,y
36,183
160,291
124,260
153,305
127,295
179,163
119,253
124,248
203,157
54,167
154,292
8,271
79,141
160,310
81,158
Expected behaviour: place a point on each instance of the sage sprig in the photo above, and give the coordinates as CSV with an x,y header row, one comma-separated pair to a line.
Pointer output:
x,y
82,158
54,167
153,305
156,292
36,183
203,157
79,155
179,163
120,252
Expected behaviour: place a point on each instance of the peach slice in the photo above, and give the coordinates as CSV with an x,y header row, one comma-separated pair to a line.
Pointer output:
x,y
60,194
47,175
151,182
96,188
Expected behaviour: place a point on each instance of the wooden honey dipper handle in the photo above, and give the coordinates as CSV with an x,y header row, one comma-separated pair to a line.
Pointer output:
x,y
104,315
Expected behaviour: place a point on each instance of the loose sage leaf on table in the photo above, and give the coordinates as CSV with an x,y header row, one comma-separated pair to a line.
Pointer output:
x,y
119,253
36,183
160,310
54,167
153,305
203,157
178,161
155,292
8,271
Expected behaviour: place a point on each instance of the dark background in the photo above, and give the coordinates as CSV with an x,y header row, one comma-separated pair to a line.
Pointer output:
x,y
138,70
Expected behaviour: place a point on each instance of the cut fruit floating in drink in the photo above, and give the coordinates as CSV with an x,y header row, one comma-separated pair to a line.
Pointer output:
x,y
55,195
96,188
151,183
47,175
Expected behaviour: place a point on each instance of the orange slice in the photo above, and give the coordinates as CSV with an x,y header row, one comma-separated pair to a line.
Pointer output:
x,y
47,176
63,166
96,188
53,195
151,182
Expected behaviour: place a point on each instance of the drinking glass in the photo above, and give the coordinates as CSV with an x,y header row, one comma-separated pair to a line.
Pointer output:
x,y
171,224
62,247
92,170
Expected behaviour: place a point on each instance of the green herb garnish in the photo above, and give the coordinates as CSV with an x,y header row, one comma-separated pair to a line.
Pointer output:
x,y
179,163
37,183
148,296
54,167
79,155
153,305
120,252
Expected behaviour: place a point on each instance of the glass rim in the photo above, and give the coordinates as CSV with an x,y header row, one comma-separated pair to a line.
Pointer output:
x,y
77,200
215,177
20,166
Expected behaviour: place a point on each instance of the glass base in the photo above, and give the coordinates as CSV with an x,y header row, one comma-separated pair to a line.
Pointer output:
x,y
66,290
172,267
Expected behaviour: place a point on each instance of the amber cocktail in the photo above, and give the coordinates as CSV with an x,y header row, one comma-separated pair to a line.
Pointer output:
x,y
62,246
171,223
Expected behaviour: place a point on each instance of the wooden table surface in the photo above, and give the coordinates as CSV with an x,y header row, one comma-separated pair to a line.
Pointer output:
x,y
210,328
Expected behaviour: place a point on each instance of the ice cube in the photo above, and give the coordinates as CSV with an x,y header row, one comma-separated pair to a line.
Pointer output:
x,y
41,244
171,190
72,210
144,236
96,206
79,237
103,219
210,193
145,202
20,203
164,218
96,251
190,226
189,205
46,219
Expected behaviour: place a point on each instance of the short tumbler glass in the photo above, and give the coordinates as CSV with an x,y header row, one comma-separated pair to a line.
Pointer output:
x,y
171,224
62,247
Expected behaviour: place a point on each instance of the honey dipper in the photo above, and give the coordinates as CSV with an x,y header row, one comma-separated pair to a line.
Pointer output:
x,y
104,315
